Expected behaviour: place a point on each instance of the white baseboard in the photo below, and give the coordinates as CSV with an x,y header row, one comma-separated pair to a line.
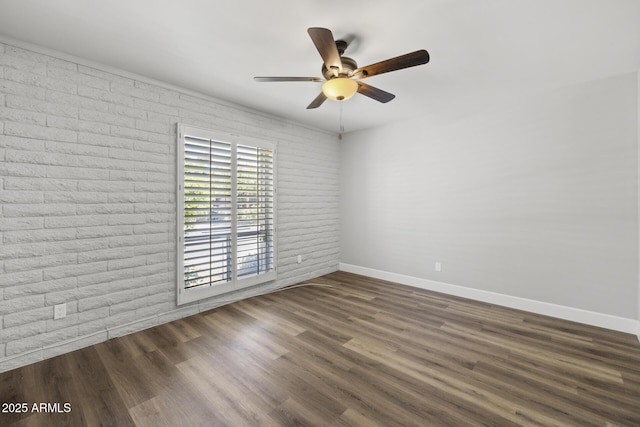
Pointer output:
x,y
621,324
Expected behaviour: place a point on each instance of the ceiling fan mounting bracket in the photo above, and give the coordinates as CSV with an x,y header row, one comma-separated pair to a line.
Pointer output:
x,y
342,46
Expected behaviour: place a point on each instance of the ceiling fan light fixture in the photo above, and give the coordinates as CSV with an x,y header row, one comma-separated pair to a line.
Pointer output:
x,y
340,88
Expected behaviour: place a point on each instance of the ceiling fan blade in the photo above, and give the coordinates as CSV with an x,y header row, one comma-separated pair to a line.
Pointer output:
x,y
326,45
288,79
412,59
375,93
318,101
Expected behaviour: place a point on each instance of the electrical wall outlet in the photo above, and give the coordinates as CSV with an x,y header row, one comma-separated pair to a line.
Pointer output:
x,y
299,259
438,266
59,311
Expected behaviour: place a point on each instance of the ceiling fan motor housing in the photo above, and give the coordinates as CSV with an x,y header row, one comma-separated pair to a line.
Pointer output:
x,y
348,67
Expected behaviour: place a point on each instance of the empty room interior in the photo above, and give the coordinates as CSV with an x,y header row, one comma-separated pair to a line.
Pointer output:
x,y
319,213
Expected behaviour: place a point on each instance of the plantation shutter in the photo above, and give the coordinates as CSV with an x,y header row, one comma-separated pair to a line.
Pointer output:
x,y
226,214
207,212
255,210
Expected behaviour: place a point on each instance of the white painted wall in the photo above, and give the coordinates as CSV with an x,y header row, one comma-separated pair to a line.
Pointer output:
x,y
536,198
87,193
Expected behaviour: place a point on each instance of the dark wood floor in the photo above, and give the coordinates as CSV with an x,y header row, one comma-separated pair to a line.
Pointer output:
x,y
358,352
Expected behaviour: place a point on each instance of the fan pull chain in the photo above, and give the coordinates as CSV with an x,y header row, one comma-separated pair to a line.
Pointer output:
x,y
341,124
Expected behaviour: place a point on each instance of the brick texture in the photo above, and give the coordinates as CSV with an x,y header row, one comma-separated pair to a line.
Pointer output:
x,y
87,201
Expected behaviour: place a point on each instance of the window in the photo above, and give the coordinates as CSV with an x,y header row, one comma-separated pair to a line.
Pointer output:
x,y
226,213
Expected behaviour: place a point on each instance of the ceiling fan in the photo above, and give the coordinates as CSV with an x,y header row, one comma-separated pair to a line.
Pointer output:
x,y
342,77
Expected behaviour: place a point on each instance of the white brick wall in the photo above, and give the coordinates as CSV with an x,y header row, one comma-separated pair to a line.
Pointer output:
x,y
87,201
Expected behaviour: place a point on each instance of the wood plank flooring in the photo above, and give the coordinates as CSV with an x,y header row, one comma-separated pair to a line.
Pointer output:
x,y
352,352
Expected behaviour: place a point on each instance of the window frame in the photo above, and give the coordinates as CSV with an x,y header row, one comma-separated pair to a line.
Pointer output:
x,y
187,295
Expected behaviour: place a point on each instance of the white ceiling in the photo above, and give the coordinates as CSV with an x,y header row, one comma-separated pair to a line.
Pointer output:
x,y
481,51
